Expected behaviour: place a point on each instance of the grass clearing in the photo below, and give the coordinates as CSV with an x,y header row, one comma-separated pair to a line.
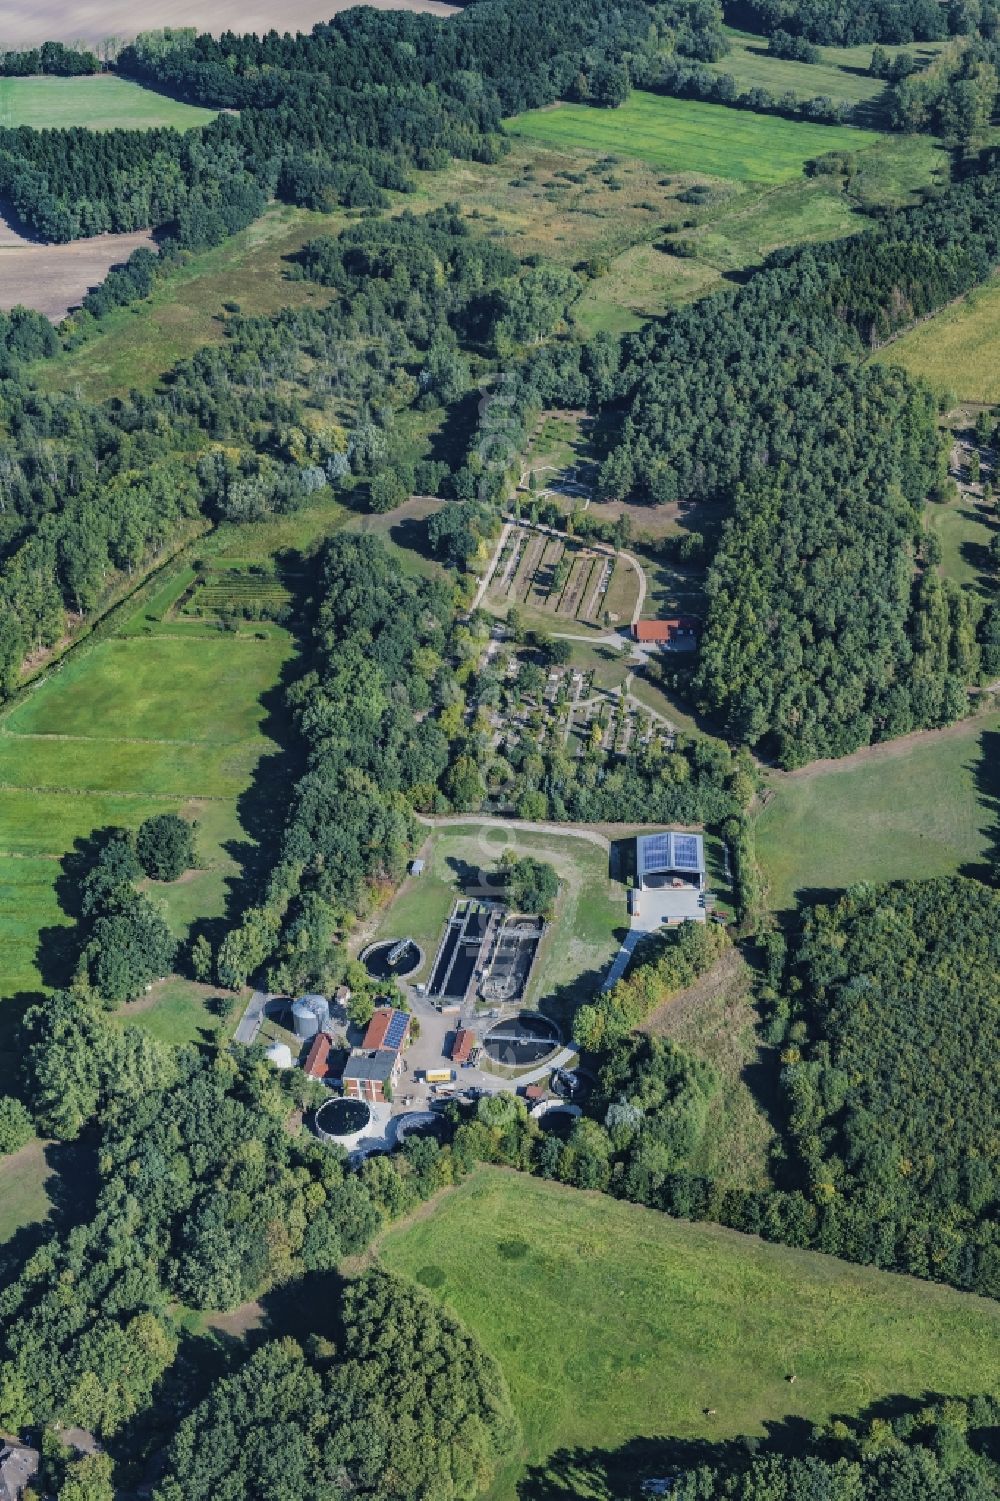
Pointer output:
x,y
145,720
686,135
958,349
612,1321
922,806
639,284
23,1198
965,528
100,102
134,346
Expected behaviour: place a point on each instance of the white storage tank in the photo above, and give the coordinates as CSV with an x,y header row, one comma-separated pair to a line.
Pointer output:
x,y
310,1014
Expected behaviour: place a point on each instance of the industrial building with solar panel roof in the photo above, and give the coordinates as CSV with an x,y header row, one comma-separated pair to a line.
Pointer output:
x,y
663,859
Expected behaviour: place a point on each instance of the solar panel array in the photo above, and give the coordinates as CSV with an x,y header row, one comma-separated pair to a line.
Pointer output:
x,y
685,852
660,852
656,852
396,1030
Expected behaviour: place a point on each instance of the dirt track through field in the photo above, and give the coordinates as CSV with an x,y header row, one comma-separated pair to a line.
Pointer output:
x,y
54,278
66,21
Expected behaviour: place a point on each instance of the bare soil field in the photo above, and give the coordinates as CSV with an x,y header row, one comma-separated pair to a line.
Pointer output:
x,y
54,278
76,20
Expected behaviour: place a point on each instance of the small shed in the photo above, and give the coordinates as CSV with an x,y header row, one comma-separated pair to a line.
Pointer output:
x,y
462,1046
417,867
318,1057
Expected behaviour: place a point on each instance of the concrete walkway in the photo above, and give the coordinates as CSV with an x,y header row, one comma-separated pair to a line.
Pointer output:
x,y
487,578
249,1026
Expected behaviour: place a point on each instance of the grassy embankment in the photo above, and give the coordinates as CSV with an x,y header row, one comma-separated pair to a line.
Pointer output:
x,y
613,1322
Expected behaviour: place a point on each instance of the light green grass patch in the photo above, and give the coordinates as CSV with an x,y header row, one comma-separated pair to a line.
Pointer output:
x,y
156,768
101,102
33,823
918,807
23,1199
612,1321
156,689
640,283
958,350
842,72
965,530
176,1011
686,135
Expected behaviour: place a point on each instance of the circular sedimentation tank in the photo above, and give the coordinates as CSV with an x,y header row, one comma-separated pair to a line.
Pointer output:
x,y
342,1121
392,958
522,1040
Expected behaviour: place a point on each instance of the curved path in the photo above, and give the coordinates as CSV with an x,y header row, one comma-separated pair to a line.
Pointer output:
x,y
563,831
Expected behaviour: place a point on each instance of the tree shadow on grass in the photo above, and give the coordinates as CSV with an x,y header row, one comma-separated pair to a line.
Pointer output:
x,y
987,779
263,808
620,1474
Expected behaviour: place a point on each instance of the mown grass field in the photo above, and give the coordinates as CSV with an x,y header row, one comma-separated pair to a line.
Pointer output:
x,y
928,805
958,350
613,1322
100,102
685,135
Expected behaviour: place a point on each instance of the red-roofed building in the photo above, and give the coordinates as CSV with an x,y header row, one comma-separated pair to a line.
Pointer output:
x,y
462,1047
681,632
388,1028
318,1057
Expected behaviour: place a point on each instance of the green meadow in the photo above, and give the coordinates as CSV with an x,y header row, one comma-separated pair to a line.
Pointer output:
x,y
613,1322
100,102
685,135
958,350
927,805
125,727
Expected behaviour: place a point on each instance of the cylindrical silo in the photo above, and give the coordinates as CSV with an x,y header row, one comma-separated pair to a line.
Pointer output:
x,y
310,1014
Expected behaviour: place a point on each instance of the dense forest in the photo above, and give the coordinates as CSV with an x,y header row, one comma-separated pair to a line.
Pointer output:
x,y
845,23
889,1065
